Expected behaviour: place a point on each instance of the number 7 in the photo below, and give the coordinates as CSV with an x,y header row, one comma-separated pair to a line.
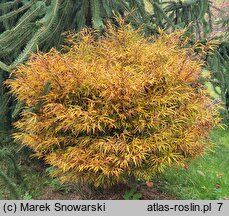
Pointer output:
x,y
220,205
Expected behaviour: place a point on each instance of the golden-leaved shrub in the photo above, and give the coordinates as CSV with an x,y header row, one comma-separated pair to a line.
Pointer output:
x,y
116,107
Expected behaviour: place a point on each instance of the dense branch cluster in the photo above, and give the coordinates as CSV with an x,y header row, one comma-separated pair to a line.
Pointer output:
x,y
115,107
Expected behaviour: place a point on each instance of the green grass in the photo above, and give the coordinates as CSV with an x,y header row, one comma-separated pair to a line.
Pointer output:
x,y
206,178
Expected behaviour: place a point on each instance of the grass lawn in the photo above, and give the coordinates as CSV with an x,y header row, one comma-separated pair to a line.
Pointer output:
x,y
206,178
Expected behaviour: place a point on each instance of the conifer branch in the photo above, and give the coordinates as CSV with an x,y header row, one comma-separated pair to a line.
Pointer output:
x,y
16,12
8,158
4,67
48,22
11,186
7,5
96,16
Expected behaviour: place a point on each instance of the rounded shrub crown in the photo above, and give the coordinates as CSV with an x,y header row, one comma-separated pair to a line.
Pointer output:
x,y
112,108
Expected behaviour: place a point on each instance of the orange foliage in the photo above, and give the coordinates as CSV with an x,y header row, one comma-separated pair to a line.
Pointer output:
x,y
118,106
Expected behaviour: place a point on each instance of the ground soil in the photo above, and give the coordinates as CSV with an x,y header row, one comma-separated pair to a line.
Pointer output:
x,y
115,193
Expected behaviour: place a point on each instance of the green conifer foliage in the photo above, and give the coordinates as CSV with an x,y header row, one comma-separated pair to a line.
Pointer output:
x,y
10,175
26,26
